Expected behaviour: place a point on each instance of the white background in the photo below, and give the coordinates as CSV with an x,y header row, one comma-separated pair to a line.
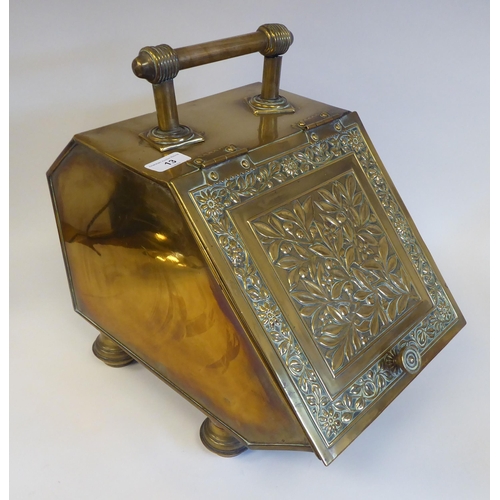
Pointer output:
x,y
417,73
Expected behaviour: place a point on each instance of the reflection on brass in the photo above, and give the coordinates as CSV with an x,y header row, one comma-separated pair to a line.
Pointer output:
x,y
275,279
219,441
268,129
136,272
110,352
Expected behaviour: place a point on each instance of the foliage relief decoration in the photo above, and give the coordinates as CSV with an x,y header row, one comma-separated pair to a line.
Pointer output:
x,y
345,278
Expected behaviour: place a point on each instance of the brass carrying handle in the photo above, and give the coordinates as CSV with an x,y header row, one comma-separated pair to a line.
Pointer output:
x,y
160,65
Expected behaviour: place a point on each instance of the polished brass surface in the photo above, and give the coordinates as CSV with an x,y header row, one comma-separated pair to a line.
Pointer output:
x,y
137,274
275,278
219,441
160,65
223,119
268,128
110,352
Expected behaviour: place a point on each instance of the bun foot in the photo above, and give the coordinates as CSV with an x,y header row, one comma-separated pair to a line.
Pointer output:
x,y
110,352
219,440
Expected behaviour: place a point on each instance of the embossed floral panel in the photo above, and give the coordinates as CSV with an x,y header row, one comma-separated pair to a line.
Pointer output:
x,y
346,280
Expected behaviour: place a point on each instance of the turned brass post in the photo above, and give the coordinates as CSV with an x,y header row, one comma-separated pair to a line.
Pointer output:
x,y
271,78
166,106
279,39
160,65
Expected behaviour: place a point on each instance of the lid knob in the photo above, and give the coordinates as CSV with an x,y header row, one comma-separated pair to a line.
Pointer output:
x,y
409,360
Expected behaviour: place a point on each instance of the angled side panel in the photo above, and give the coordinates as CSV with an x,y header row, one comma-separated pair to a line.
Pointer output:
x,y
137,274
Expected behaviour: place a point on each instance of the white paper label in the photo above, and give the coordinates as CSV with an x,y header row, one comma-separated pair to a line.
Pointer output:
x,y
167,162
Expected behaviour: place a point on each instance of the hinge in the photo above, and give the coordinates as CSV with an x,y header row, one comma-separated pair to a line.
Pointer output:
x,y
218,156
317,120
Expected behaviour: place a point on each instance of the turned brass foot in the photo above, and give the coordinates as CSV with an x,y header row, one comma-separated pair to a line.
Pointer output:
x,y
219,440
110,352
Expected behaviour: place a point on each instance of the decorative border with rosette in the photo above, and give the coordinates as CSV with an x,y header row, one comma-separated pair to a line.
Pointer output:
x,y
331,416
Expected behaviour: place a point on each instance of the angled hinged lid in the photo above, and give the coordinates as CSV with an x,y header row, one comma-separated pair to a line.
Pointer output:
x,y
323,265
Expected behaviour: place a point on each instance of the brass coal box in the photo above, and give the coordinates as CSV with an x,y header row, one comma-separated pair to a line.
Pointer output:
x,y
251,250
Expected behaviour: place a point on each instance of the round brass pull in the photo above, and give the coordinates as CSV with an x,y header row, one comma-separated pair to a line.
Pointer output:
x,y
409,360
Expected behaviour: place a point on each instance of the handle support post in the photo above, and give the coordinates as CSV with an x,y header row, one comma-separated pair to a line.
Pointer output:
x,y
166,105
